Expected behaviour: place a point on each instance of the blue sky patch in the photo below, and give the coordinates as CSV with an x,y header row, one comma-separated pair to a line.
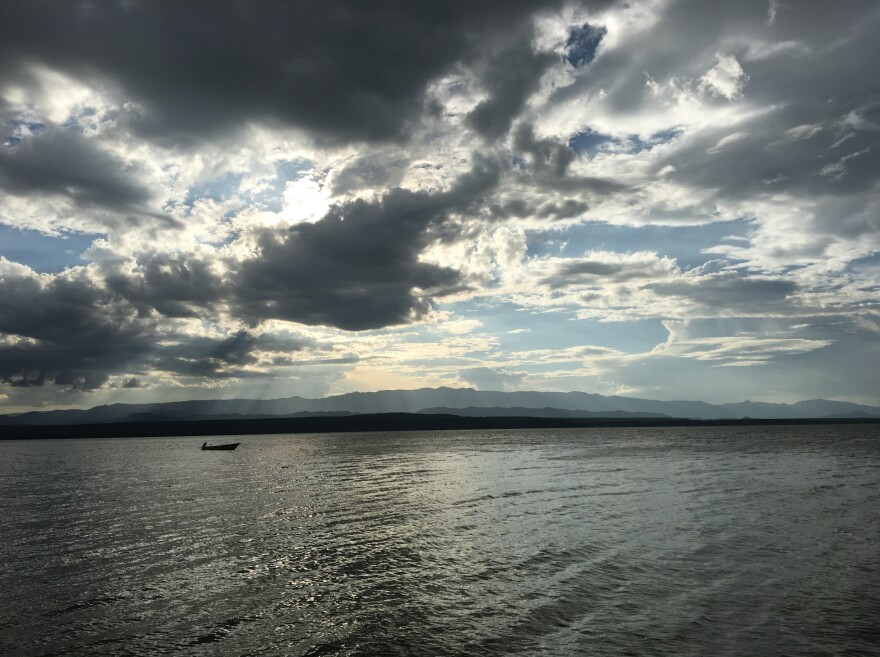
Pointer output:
x,y
44,253
582,43
19,127
589,142
865,264
215,189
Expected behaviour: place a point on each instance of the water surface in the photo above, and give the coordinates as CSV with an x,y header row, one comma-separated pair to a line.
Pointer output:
x,y
694,541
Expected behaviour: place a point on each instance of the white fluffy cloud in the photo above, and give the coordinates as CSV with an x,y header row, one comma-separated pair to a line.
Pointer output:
x,y
725,79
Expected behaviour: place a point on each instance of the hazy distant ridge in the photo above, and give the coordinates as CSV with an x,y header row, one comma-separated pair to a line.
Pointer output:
x,y
461,401
519,411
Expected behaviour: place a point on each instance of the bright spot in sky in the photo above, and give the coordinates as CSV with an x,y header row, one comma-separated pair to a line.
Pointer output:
x,y
305,200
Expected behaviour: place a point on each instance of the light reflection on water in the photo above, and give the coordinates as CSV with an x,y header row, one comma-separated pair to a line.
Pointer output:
x,y
613,541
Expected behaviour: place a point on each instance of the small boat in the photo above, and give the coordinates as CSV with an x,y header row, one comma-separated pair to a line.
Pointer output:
x,y
205,445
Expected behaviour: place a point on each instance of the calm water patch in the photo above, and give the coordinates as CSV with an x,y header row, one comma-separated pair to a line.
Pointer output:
x,y
722,541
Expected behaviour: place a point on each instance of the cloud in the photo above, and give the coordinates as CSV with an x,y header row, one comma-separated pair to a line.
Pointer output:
x,y
369,171
486,378
63,162
346,71
602,269
804,131
359,267
70,330
174,285
725,79
313,188
237,355
837,170
725,141
616,286
65,329
729,292
511,77
547,156
772,10
742,349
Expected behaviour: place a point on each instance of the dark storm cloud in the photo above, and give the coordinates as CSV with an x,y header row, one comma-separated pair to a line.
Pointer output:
x,y
541,185
205,357
510,77
224,357
546,155
348,70
75,334
175,285
60,161
359,267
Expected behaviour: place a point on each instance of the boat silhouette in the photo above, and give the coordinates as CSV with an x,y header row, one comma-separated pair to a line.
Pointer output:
x,y
227,446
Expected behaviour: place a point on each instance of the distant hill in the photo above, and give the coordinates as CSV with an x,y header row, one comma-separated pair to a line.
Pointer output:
x,y
853,415
519,411
456,401
160,417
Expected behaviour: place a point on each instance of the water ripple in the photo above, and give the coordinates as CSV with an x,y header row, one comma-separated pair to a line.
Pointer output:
x,y
611,542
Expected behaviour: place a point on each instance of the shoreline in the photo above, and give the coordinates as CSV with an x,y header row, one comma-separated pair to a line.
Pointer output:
x,y
375,422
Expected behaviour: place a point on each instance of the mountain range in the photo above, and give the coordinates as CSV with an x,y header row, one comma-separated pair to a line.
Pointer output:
x,y
449,401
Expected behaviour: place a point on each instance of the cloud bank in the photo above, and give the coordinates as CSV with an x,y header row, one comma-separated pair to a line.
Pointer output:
x,y
662,197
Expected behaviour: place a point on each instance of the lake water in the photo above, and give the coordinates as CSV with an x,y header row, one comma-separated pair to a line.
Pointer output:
x,y
719,541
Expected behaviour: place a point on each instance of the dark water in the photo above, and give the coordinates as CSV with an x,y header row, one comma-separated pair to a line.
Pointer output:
x,y
739,541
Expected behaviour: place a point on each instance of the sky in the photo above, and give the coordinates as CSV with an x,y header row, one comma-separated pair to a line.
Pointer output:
x,y
667,199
